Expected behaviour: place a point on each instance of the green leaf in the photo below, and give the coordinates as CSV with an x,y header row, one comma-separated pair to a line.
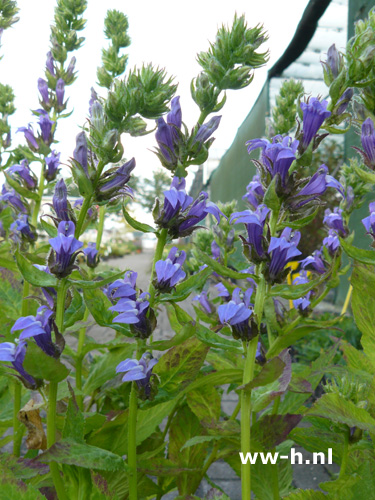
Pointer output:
x,y
212,339
20,189
105,368
295,291
308,495
358,254
204,403
32,274
270,372
339,410
48,228
12,489
366,175
75,311
68,451
223,270
42,366
92,285
184,289
299,223
272,430
180,365
8,264
138,226
185,333
270,197
201,439
74,422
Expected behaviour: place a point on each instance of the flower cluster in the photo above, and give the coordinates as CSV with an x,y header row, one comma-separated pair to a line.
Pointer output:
x,y
141,373
169,271
237,313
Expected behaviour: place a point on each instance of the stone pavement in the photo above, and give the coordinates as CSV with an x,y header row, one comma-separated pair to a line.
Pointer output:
x,y
304,476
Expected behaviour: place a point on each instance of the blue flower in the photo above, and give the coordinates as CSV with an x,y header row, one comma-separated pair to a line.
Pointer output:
x,y
60,91
169,271
222,291
52,166
113,183
332,242
302,304
315,262
91,254
60,202
254,192
80,152
124,288
140,372
368,142
369,222
254,223
50,64
45,124
15,354
50,294
21,228
9,196
30,137
39,327
180,212
314,114
24,174
334,220
215,250
204,303
43,90
281,251
136,313
65,246
236,313
206,130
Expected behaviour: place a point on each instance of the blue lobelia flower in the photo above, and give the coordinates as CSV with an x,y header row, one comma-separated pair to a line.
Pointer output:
x,y
60,202
113,183
52,166
222,291
50,294
91,253
254,245
124,288
215,250
24,173
39,327
206,130
50,64
80,153
236,313
302,304
281,251
276,157
169,271
43,90
181,212
204,303
15,354
136,313
11,197
334,220
254,193
314,114
60,91
61,261
139,372
369,222
343,102
29,136
22,229
315,262
45,125
368,142
332,242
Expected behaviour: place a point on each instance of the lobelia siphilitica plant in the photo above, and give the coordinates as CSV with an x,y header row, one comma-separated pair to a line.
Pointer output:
x,y
140,416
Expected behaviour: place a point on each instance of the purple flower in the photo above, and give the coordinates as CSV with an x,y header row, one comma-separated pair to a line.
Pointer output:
x,y
91,254
168,134
277,156
94,98
50,64
45,124
52,166
254,192
66,247
222,291
333,220
124,288
24,174
206,130
254,223
282,250
314,114
9,196
369,222
333,60
80,152
315,262
30,137
332,242
180,213
169,271
236,313
113,183
368,142
343,102
71,67
136,313
22,228
60,91
215,250
316,186
260,355
43,90
39,327
302,303
204,303
139,371
60,201
15,354
50,294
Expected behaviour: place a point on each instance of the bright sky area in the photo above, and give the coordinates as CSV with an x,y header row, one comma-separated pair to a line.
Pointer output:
x,y
166,33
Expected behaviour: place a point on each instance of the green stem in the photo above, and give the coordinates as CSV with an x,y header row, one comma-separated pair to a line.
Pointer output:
x,y
344,461
17,428
25,293
100,227
162,239
82,216
248,374
202,117
132,447
260,298
80,357
34,218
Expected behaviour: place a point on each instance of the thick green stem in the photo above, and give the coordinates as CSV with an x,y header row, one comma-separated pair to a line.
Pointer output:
x,y
82,216
162,239
344,461
260,298
17,428
132,447
248,374
80,357
34,218
25,293
202,117
100,227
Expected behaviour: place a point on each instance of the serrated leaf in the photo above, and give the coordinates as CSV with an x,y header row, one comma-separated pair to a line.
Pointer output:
x,y
358,254
92,285
48,228
184,289
32,274
271,200
75,311
138,226
38,364
74,423
212,339
223,270
295,291
204,403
